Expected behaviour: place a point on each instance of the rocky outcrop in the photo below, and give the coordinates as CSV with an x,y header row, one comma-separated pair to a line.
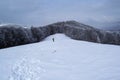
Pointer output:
x,y
13,35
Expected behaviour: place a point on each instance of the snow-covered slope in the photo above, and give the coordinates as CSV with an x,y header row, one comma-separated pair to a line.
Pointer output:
x,y
63,59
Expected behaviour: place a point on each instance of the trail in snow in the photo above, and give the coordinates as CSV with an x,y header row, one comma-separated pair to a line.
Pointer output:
x,y
33,69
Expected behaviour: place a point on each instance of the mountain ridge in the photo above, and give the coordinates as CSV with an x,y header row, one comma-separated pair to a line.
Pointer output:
x,y
13,35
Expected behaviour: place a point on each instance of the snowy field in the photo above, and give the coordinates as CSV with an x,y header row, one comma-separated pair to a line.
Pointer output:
x,y
63,59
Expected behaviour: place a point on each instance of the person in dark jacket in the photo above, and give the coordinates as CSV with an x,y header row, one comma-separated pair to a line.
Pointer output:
x,y
53,39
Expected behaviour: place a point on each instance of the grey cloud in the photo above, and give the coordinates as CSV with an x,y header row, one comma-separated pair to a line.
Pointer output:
x,y
16,11
37,12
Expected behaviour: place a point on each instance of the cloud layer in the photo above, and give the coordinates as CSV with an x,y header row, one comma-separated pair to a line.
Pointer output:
x,y
41,12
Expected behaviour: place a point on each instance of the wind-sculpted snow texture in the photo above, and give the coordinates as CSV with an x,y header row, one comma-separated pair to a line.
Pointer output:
x,y
13,35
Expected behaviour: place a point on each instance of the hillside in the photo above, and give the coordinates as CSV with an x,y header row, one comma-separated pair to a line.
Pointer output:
x,y
63,59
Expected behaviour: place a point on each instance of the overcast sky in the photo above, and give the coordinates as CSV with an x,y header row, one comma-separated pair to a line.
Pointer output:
x,y
42,12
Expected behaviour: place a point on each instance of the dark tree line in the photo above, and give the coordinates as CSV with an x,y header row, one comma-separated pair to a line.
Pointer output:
x,y
12,35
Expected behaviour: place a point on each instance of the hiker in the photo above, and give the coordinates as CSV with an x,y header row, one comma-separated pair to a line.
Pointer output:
x,y
53,39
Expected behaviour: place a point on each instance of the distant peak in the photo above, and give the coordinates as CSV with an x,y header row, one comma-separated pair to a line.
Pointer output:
x,y
71,21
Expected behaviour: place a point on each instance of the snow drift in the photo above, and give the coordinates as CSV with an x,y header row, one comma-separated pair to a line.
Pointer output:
x,y
13,35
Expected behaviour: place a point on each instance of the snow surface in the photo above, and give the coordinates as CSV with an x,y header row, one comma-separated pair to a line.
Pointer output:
x,y
63,59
